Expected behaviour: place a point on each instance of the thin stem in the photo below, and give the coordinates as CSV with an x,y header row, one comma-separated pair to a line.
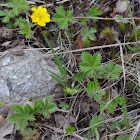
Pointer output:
x,y
133,24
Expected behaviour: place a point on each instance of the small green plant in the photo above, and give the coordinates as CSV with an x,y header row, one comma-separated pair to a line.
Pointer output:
x,y
94,12
92,67
17,6
62,17
29,134
70,130
94,123
95,91
83,21
111,106
21,116
27,31
112,71
24,114
90,63
88,33
108,34
64,106
20,22
123,27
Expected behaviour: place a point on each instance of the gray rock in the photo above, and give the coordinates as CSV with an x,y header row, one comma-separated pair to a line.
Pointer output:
x,y
27,75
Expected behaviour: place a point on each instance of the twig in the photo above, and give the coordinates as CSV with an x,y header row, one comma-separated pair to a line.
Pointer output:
x,y
100,18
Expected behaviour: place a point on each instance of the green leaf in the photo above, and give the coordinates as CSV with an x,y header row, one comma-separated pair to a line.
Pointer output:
x,y
21,116
62,17
20,22
94,12
18,109
19,4
83,21
3,12
120,100
95,121
112,70
110,107
88,33
79,76
28,133
90,63
27,31
47,107
72,91
64,106
95,91
70,130
26,109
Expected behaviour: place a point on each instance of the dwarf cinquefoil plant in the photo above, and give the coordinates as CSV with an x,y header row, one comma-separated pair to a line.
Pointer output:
x,y
22,116
17,6
91,66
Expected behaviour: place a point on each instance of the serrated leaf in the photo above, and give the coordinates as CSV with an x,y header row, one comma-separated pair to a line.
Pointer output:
x,y
63,17
27,31
51,108
30,117
20,4
26,109
112,70
91,64
96,121
13,118
6,19
79,76
88,33
94,12
20,22
95,91
18,109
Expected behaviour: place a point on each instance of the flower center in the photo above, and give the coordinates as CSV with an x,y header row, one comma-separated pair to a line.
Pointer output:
x,y
40,15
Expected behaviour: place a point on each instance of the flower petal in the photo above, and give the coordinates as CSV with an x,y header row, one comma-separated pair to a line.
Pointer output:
x,y
41,23
33,9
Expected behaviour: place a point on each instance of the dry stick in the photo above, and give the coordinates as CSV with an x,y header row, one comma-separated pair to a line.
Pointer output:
x,y
71,51
100,18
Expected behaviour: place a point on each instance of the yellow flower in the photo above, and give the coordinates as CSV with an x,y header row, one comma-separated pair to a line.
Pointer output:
x,y
40,16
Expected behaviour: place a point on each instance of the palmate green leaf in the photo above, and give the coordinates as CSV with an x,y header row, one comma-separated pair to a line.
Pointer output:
x,y
19,4
83,21
27,31
90,63
110,107
21,117
95,121
79,76
22,122
18,109
29,133
63,17
47,107
88,34
94,12
4,12
112,70
20,22
9,14
95,91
